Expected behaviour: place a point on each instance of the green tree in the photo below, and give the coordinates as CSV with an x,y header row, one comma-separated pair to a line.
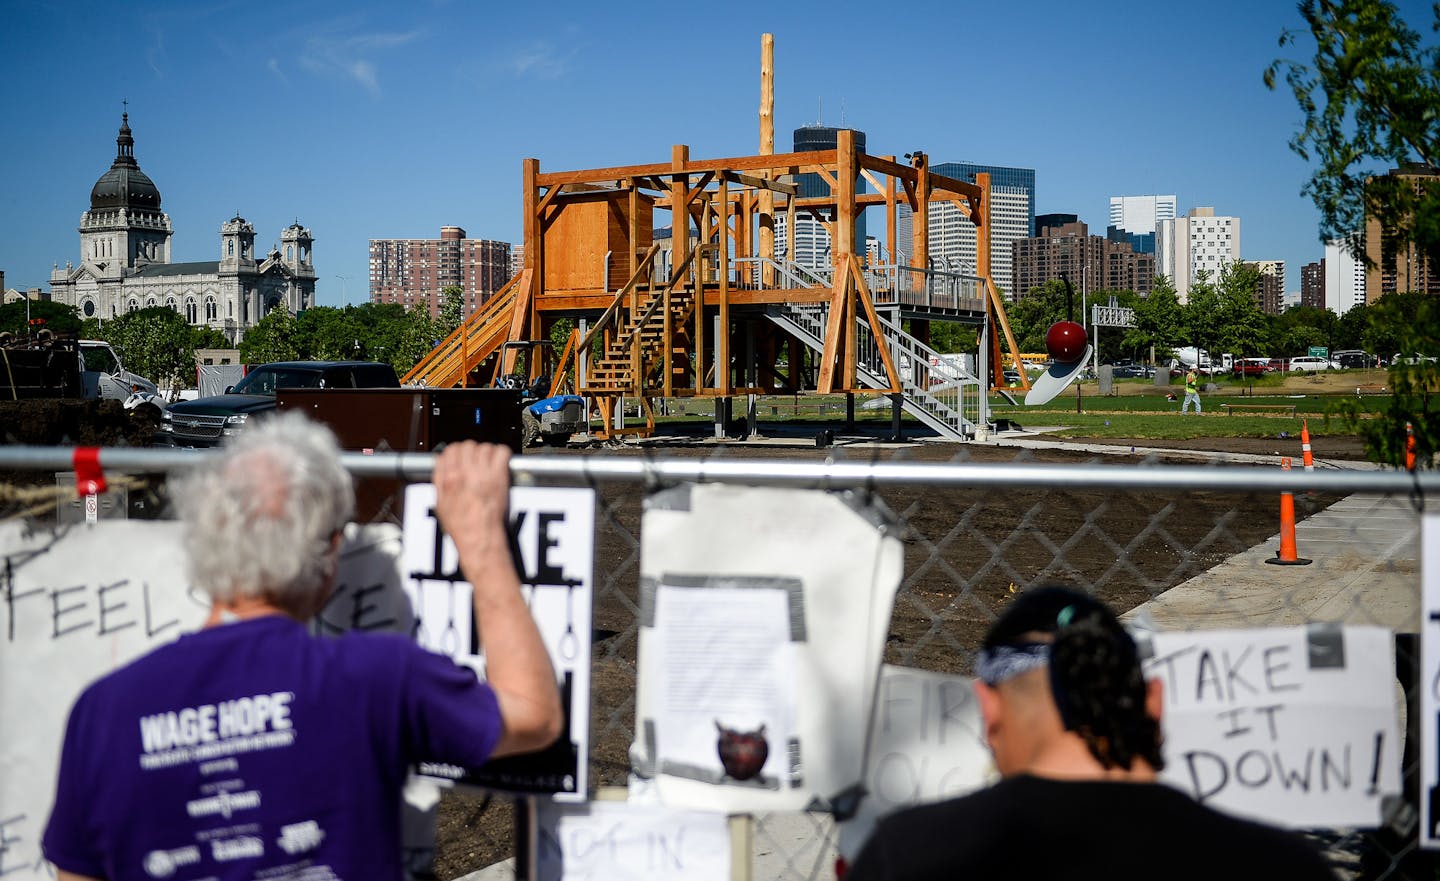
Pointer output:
x,y
1200,316
154,342
1369,99
272,338
1157,321
1350,330
1398,324
452,310
417,336
206,337
1243,329
1030,319
58,318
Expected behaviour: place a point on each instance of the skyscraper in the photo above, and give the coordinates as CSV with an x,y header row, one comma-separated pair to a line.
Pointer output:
x,y
1345,278
1200,241
811,241
952,236
1399,266
1140,214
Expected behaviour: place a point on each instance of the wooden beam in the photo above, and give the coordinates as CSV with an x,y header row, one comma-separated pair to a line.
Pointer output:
x,y
766,208
862,292
846,170
781,162
826,176
699,188
760,183
830,353
890,218
874,181
951,185
920,217
520,318
723,342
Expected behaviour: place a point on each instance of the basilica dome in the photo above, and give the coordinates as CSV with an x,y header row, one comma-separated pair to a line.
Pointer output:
x,y
125,185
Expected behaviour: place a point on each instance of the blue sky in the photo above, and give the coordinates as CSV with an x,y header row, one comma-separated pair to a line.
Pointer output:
x,y
375,120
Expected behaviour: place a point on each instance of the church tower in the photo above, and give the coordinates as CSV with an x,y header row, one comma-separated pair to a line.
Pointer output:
x,y
237,246
124,230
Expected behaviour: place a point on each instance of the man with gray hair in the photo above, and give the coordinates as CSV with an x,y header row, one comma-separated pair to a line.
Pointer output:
x,y
251,749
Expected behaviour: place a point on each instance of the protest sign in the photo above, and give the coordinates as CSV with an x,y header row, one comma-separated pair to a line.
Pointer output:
x,y
552,537
1295,726
761,637
1430,680
927,743
616,839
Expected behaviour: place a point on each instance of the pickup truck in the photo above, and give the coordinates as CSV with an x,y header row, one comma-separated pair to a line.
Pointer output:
x,y
50,365
206,422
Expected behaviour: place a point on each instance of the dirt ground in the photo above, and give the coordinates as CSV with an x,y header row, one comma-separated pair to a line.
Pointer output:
x,y
966,552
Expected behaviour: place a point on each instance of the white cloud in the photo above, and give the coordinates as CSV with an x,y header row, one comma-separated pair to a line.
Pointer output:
x,y
541,60
349,56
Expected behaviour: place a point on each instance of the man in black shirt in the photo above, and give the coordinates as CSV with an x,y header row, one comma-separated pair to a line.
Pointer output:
x,y
1074,728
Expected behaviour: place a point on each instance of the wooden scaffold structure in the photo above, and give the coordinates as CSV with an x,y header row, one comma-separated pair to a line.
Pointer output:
x,y
710,311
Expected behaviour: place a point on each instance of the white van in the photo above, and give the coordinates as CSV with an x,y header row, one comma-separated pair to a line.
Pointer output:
x,y
1309,364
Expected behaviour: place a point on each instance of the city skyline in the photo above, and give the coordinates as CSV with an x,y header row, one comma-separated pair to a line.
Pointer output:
x,y
363,121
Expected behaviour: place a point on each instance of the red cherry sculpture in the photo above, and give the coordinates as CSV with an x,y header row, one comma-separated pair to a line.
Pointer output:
x,y
1065,341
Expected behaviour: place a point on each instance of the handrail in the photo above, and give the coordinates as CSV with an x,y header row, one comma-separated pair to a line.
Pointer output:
x,y
613,309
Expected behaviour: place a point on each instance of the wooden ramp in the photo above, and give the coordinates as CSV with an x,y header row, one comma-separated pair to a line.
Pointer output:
x,y
476,339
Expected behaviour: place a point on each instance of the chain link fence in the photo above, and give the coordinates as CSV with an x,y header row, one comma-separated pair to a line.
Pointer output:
x,y
979,526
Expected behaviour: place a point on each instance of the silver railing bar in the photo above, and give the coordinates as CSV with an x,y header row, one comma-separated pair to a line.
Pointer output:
x,y
829,474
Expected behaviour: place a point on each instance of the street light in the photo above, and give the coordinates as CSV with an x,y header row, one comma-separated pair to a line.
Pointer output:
x,y
343,294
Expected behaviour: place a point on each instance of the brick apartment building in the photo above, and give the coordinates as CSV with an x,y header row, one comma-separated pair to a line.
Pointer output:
x,y
1064,246
1312,285
414,271
1399,266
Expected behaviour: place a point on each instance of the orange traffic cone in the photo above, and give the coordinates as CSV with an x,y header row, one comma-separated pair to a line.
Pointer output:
x,y
1409,447
1287,555
1305,445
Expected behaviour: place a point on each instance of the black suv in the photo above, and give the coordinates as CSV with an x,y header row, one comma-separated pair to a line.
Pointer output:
x,y
206,422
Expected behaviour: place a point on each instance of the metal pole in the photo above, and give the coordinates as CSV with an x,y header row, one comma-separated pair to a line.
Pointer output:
x,y
587,469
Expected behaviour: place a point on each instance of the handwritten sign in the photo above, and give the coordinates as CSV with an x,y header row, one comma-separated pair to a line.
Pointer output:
x,y
604,840
1430,681
1293,725
79,603
552,538
927,743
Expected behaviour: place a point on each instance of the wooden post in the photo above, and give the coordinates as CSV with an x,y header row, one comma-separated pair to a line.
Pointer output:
x,y
846,171
722,373
920,214
526,295
890,219
767,148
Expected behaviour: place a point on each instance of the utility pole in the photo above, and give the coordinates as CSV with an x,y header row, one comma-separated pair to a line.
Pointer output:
x,y
344,295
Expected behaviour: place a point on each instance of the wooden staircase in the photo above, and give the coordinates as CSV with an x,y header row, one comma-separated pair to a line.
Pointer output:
x,y
477,338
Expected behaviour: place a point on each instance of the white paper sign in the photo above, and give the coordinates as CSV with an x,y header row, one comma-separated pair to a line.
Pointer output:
x,y
825,568
601,841
927,744
552,532
726,661
1430,680
1295,726
78,604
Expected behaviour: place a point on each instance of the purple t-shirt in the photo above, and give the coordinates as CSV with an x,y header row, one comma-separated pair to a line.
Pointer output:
x,y
254,750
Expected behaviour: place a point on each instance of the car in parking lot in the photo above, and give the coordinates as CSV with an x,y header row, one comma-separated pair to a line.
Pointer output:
x,y
206,422
1353,358
1251,367
1309,364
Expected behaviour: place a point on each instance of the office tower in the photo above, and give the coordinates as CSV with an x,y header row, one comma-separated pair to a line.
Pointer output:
x,y
1346,280
1199,242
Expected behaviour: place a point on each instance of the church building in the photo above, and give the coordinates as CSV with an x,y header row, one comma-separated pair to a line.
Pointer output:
x,y
125,260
